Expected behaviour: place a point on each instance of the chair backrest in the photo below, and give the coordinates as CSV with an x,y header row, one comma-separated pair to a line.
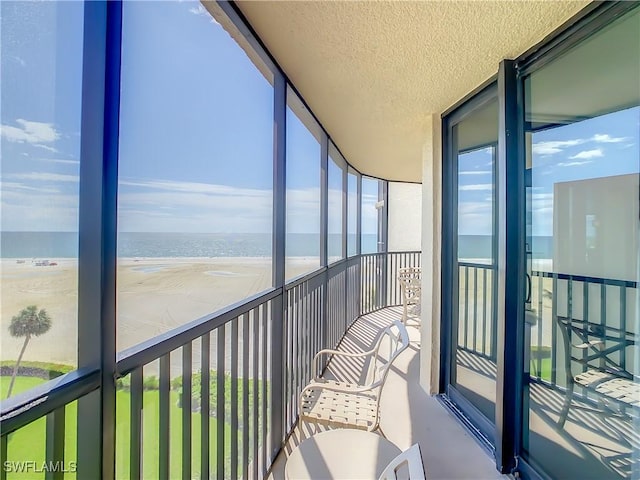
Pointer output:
x,y
409,273
398,340
407,465
598,345
409,279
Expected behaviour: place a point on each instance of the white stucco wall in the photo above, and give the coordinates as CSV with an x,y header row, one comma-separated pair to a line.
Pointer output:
x,y
405,217
431,230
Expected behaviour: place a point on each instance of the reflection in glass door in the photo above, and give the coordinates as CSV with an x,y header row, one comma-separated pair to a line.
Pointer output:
x,y
472,382
582,117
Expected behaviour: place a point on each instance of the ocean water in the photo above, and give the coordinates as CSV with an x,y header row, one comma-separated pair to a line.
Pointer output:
x,y
479,247
149,245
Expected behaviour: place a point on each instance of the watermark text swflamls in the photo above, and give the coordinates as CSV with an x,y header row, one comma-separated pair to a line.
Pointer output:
x,y
31,466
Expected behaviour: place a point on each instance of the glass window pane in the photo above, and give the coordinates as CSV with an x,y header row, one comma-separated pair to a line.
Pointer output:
x,y
405,217
371,209
475,292
196,169
335,195
352,212
583,134
303,189
41,77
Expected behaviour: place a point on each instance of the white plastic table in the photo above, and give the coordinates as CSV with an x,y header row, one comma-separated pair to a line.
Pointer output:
x,y
341,454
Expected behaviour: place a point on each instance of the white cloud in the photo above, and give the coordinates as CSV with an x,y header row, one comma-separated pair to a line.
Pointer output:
x,y
58,160
480,187
7,187
557,146
193,187
574,164
46,147
606,138
164,205
475,218
30,132
19,60
27,208
587,154
201,11
43,177
475,172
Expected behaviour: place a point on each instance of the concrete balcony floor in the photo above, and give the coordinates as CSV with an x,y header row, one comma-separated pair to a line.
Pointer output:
x,y
408,414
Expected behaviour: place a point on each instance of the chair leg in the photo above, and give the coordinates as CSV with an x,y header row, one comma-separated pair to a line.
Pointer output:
x,y
405,312
567,403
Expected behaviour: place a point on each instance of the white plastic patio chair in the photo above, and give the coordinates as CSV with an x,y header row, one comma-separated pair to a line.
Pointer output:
x,y
407,465
354,405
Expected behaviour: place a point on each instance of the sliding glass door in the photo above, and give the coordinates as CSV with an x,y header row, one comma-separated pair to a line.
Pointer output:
x,y
582,136
472,293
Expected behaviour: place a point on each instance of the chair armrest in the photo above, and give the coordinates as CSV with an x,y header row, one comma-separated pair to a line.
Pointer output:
x,y
327,351
591,343
339,388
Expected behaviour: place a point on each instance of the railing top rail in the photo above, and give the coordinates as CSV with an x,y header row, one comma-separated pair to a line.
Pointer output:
x,y
476,265
403,252
308,276
586,279
22,409
156,347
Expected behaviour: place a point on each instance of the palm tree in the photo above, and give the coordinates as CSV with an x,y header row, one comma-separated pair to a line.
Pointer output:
x,y
28,323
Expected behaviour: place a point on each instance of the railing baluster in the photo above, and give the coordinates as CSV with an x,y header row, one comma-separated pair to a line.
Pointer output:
x,y
306,333
466,307
623,325
3,456
264,418
475,308
554,330
256,355
245,395
164,412
289,357
205,399
484,311
585,318
603,304
136,424
187,361
298,344
234,398
220,400
540,326
54,444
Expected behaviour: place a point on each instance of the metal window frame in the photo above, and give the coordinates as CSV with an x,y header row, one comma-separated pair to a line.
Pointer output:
x,y
511,268
324,200
97,253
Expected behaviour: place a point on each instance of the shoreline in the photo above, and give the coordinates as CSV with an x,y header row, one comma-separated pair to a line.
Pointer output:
x,y
154,295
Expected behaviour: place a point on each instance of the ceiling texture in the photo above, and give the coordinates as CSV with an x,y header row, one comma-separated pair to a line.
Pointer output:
x,y
373,71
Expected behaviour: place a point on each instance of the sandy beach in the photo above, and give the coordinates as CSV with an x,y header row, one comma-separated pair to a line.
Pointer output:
x,y
155,295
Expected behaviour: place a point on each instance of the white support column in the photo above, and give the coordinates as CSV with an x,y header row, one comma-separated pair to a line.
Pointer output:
x,y
431,258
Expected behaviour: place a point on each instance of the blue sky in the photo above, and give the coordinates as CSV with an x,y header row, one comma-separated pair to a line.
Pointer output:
x,y
196,133
602,146
196,126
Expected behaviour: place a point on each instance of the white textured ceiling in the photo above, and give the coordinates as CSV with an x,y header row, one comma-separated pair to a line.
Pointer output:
x,y
373,71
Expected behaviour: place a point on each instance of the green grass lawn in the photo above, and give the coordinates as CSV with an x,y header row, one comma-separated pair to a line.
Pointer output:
x,y
545,369
28,443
